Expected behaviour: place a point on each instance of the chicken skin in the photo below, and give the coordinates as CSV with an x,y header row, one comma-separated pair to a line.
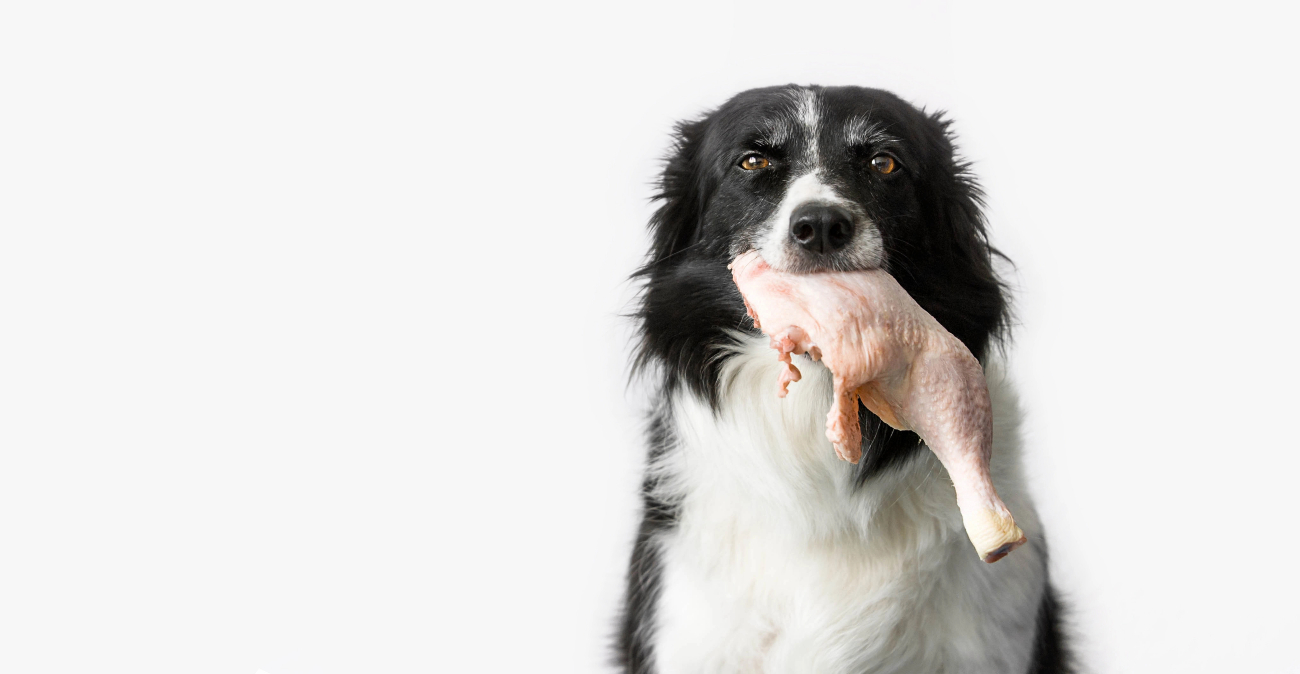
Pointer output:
x,y
882,348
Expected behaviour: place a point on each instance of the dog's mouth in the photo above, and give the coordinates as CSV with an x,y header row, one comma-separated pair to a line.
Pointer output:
x,y
801,264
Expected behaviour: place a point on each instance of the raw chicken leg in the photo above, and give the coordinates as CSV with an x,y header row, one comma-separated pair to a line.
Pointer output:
x,y
883,348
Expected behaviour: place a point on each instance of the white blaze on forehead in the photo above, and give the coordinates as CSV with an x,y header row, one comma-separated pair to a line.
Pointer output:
x,y
808,115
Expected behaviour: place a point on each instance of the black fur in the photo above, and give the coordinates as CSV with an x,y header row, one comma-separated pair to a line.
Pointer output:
x,y
1051,653
933,232
643,576
929,217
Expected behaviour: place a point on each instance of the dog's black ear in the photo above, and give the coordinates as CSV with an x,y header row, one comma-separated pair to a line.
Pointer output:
x,y
689,307
683,189
958,283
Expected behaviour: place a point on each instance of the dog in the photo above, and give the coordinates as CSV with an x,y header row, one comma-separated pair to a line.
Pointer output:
x,y
759,550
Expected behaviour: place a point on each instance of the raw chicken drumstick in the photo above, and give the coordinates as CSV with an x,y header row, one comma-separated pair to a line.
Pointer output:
x,y
882,347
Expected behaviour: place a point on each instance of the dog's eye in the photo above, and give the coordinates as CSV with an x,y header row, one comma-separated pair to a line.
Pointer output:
x,y
753,162
884,163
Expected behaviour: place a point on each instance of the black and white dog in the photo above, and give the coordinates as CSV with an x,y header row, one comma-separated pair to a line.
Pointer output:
x,y
759,550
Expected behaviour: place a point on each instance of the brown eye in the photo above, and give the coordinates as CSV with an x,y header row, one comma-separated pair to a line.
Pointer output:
x,y
753,162
884,163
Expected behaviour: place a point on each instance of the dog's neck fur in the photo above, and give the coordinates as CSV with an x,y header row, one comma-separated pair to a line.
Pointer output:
x,y
781,561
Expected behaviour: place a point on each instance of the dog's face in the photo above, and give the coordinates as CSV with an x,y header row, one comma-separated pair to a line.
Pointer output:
x,y
814,178
818,179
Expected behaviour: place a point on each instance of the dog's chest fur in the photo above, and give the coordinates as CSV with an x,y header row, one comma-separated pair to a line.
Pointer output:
x,y
778,563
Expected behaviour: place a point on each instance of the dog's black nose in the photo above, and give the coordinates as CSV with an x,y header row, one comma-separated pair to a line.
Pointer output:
x,y
821,228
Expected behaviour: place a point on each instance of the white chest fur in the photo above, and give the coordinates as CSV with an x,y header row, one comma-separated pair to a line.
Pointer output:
x,y
779,565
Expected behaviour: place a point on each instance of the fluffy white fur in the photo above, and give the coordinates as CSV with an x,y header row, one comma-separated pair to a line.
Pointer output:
x,y
779,565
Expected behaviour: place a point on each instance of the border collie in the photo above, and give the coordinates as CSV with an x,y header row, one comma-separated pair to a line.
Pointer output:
x,y
759,550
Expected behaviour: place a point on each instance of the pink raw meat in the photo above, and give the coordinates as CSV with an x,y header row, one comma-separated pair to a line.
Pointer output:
x,y
883,348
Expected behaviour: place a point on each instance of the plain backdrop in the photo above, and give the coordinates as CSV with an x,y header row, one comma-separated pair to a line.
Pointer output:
x,y
312,356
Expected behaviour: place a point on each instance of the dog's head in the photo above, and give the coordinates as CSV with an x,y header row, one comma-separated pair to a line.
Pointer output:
x,y
815,178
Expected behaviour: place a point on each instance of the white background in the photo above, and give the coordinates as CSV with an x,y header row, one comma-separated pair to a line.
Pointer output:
x,y
311,357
